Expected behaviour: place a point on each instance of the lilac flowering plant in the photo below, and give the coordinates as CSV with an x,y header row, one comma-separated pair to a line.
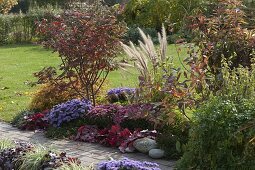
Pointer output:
x,y
68,111
121,94
127,164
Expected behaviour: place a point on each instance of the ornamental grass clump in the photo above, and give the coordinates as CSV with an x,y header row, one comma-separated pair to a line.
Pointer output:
x,y
10,157
127,164
159,80
32,160
68,111
26,156
5,143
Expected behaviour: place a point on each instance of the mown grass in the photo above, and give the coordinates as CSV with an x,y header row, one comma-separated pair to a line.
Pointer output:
x,y
19,62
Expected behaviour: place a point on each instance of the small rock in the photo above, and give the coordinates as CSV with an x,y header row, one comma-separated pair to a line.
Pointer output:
x,y
144,145
156,153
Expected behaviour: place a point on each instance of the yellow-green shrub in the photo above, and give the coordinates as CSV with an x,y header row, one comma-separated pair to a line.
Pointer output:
x,y
49,95
6,5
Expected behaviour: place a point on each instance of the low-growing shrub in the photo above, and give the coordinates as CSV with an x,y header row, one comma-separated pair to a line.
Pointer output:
x,y
132,116
37,121
133,124
49,95
103,115
68,129
147,114
68,111
220,137
173,139
19,120
114,136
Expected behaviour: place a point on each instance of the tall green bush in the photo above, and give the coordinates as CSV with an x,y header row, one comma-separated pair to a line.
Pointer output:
x,y
223,133
217,140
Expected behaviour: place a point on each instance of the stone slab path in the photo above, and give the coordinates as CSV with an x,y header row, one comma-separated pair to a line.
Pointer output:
x,y
88,153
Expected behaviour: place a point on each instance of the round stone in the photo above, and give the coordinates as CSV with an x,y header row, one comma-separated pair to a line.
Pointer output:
x,y
144,145
156,153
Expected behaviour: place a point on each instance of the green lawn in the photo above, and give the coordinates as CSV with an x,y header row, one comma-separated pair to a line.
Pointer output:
x,y
19,62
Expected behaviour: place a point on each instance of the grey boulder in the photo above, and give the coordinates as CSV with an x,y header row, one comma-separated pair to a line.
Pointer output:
x,y
144,145
156,153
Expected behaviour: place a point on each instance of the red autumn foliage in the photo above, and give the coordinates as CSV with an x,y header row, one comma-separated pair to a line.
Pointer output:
x,y
35,121
224,34
115,136
87,43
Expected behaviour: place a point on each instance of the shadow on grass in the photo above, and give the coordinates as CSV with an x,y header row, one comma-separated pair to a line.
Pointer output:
x,y
30,47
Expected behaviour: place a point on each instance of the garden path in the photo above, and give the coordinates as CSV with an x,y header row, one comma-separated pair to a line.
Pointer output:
x,y
88,153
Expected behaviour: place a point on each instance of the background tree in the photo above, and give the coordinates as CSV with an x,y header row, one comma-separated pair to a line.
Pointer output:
x,y
148,13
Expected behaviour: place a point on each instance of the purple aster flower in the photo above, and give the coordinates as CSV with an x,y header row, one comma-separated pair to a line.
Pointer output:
x,y
127,164
68,111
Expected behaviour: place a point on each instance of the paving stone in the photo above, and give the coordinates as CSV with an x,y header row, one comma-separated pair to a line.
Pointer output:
x,y
88,153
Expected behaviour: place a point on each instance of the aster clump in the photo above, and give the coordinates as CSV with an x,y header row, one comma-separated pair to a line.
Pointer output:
x,y
68,111
127,164
121,94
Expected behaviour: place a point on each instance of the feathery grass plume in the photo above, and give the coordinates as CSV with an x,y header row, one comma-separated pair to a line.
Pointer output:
x,y
152,62
33,159
6,143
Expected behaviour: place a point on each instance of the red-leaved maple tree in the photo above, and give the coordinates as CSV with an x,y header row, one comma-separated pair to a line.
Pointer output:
x,y
87,43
